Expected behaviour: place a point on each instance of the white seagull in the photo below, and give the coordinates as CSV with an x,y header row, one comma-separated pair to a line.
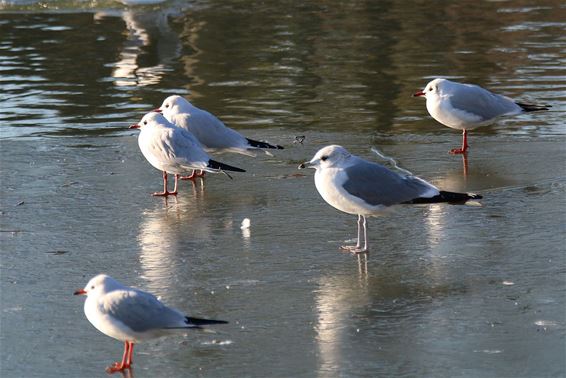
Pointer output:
x,y
467,106
131,315
356,186
208,129
173,150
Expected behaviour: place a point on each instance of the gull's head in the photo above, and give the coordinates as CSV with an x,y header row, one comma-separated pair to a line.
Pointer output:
x,y
433,88
99,285
149,120
327,157
174,105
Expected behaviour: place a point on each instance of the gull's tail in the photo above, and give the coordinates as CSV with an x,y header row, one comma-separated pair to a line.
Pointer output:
x,y
450,197
258,144
216,165
200,322
532,107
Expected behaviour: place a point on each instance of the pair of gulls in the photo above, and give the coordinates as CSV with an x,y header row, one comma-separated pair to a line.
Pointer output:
x,y
347,182
176,137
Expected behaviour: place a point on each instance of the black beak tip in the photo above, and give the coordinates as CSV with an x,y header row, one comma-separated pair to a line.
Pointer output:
x,y
302,166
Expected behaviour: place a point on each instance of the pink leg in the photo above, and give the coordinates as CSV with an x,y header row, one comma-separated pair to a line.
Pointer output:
x,y
130,359
165,193
192,176
465,146
119,366
201,173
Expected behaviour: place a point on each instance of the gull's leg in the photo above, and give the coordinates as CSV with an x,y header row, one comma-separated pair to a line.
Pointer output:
x,y
365,236
465,146
118,366
174,192
356,248
130,359
192,176
201,173
361,222
164,192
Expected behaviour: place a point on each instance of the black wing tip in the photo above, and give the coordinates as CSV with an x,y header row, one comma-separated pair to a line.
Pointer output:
x,y
200,321
223,167
448,197
532,107
474,196
258,144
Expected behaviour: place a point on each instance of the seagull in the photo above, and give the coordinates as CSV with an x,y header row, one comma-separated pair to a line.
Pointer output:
x,y
357,186
467,106
131,315
173,150
208,129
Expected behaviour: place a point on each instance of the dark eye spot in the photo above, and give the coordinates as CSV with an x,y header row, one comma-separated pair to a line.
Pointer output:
x,y
324,158
92,287
430,89
145,122
166,105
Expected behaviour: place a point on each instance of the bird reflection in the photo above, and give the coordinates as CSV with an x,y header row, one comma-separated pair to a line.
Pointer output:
x,y
166,232
337,298
147,28
127,373
465,164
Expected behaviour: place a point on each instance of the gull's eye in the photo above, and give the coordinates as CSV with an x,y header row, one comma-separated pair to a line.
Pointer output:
x,y
324,158
92,287
166,105
430,89
145,122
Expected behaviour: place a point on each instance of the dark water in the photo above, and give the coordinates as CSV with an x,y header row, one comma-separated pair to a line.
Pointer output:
x,y
447,290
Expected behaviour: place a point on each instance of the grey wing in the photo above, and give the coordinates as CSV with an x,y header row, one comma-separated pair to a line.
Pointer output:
x,y
378,185
187,149
481,102
212,132
141,311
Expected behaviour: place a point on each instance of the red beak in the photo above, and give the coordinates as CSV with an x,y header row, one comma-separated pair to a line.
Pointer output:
x,y
419,94
80,292
136,126
158,110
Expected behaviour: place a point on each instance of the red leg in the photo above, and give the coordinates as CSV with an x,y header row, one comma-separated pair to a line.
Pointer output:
x,y
191,177
201,173
165,193
130,359
465,146
118,366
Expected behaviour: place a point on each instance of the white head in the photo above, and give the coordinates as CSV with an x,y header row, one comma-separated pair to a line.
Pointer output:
x,y
327,157
99,285
174,105
433,88
149,120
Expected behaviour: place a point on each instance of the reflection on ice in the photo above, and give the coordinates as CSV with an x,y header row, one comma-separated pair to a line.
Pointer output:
x,y
147,28
166,232
336,299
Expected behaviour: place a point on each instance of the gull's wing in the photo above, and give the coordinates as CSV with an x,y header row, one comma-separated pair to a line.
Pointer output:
x,y
141,311
378,185
185,149
212,133
480,102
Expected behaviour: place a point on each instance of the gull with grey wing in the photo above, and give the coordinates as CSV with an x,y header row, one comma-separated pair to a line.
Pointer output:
x,y
357,186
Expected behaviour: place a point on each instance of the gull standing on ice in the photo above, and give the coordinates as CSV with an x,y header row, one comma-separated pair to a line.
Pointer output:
x,y
173,150
208,129
356,186
131,315
467,106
